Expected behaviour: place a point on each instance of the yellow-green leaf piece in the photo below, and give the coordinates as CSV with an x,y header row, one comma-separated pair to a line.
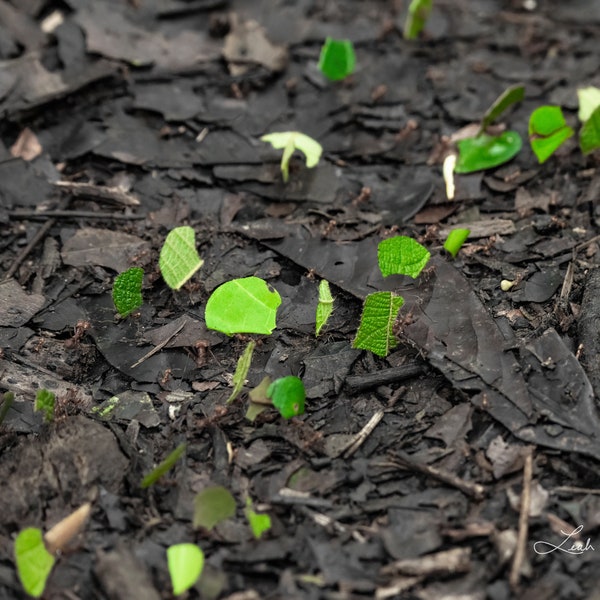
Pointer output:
x,y
324,307
185,562
213,505
259,523
179,259
401,255
589,101
34,562
375,332
241,371
290,141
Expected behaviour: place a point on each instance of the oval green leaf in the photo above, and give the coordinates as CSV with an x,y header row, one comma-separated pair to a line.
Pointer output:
x,y
401,255
548,130
337,59
34,562
179,259
185,562
324,307
487,151
456,238
127,291
288,396
589,136
375,332
213,505
244,305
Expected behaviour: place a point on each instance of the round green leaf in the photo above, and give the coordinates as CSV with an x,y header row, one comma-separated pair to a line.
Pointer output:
x,y
401,255
213,505
548,130
185,562
179,259
34,562
244,305
288,395
337,59
487,151
127,291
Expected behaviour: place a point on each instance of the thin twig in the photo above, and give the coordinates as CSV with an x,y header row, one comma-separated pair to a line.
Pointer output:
x,y
71,214
157,348
519,557
41,233
98,192
359,439
357,383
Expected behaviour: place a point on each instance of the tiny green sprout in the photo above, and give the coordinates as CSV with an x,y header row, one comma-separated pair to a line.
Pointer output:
x,y
324,307
163,467
290,141
127,291
288,396
241,371
179,259
548,130
259,523
44,401
185,562
337,59
456,238
418,13
213,505
401,255
34,562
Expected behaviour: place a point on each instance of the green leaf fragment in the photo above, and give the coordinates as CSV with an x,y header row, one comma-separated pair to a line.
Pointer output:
x,y
213,505
127,291
179,259
34,562
375,332
163,467
337,59
548,130
456,238
418,13
589,101
244,305
185,562
589,136
487,151
7,401
243,365
288,396
259,523
324,307
44,401
401,255
290,141
510,96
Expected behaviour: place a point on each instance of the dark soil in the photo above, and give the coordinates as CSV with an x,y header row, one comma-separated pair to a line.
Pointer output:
x,y
124,120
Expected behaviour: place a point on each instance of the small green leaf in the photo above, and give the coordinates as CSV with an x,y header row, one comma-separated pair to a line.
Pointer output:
x,y
288,395
44,401
290,141
259,523
510,96
375,332
241,370
548,130
258,399
456,238
337,59
7,401
34,562
401,255
418,13
213,505
244,305
162,468
325,306
589,136
179,259
185,562
127,291
589,101
487,151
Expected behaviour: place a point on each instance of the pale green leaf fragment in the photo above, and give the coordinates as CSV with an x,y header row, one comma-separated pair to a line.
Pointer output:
x,y
375,332
259,523
548,130
164,467
401,255
213,505
44,402
245,305
34,562
325,305
185,562
294,140
179,259
418,13
243,365
456,238
589,101
589,136
127,291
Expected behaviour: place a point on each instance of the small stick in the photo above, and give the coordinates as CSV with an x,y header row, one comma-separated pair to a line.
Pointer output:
x,y
358,383
157,348
98,192
362,435
71,214
519,557
41,233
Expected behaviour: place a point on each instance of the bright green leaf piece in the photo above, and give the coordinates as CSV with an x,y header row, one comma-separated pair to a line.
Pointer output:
x,y
401,255
44,401
548,130
288,395
510,96
259,523
456,238
418,13
324,307
589,101
185,562
337,59
290,141
589,136
213,505
127,291
179,259
162,468
243,365
487,151
34,562
375,332
244,305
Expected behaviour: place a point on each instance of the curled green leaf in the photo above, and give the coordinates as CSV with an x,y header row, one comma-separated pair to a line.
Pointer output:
x,y
290,141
